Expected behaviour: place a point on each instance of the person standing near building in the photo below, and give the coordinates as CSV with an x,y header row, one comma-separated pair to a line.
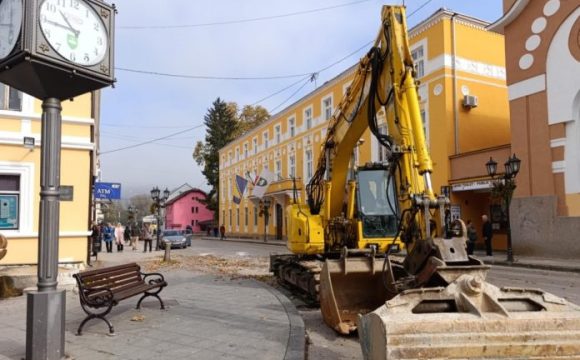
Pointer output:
x,y
487,233
222,232
96,239
471,237
147,237
108,235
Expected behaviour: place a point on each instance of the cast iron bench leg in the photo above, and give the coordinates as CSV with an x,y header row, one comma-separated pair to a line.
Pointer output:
x,y
147,294
93,316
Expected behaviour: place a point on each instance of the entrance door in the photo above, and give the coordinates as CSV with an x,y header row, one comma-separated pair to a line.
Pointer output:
x,y
279,221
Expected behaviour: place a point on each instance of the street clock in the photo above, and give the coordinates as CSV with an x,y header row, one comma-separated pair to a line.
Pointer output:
x,y
56,48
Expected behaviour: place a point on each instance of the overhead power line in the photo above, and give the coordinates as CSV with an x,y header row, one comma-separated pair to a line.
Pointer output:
x,y
150,141
210,77
240,21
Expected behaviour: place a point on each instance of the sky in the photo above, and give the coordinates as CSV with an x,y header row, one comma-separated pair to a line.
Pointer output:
x,y
192,40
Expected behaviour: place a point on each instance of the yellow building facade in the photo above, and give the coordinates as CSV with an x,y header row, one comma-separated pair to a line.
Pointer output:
x,y
464,104
20,118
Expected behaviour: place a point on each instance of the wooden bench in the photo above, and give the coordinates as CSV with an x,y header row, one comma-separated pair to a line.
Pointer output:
x,y
101,289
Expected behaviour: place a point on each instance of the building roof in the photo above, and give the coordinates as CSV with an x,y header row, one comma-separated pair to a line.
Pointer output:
x,y
183,194
514,11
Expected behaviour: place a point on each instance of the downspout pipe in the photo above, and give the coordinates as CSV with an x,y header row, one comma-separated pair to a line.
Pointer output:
x,y
454,75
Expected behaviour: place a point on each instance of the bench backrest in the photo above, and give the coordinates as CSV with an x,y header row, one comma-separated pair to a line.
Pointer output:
x,y
115,278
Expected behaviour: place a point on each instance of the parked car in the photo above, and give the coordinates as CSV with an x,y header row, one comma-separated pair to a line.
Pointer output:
x,y
175,238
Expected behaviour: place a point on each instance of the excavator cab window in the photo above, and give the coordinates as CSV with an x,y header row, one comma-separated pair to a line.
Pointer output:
x,y
377,205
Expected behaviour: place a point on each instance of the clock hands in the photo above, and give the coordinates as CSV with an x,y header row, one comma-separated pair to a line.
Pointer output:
x,y
70,27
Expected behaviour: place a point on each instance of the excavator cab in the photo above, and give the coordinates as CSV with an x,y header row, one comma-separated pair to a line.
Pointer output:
x,y
354,284
376,204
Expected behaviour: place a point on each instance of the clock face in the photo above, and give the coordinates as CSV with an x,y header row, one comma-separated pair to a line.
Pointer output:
x,y
10,24
74,30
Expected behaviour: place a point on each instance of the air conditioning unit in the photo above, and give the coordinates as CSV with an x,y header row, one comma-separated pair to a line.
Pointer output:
x,y
469,101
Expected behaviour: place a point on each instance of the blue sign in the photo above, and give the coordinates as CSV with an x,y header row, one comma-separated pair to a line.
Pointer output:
x,y
107,191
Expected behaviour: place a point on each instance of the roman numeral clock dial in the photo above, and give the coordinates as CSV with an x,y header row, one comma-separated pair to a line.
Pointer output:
x,y
74,30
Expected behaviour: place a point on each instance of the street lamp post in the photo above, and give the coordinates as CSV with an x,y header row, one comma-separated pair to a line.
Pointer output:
x,y
503,188
265,210
159,201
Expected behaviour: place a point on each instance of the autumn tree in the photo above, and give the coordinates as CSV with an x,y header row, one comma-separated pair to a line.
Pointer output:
x,y
248,117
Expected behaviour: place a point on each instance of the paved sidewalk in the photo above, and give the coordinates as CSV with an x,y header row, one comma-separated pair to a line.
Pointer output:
x,y
207,317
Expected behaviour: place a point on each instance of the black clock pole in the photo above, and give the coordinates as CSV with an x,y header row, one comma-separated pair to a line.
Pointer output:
x,y
45,322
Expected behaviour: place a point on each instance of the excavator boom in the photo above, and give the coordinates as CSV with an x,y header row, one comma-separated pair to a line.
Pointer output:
x,y
433,302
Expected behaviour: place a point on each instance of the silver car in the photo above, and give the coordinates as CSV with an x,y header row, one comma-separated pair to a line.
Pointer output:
x,y
175,238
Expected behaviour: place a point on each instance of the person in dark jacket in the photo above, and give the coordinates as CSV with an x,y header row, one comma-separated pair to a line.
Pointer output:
x,y
471,237
487,233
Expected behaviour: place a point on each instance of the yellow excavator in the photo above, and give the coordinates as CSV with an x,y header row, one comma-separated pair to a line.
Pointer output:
x,y
430,301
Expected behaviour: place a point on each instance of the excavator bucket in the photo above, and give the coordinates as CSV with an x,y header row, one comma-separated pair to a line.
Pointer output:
x,y
472,319
349,287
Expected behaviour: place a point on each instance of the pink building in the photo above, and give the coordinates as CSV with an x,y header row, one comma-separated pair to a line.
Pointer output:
x,y
187,209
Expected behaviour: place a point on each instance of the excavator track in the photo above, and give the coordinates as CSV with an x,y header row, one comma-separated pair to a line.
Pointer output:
x,y
300,273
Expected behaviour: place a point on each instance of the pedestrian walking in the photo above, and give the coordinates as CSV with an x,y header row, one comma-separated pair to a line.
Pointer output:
x,y
127,234
119,237
471,237
487,233
108,235
134,236
215,231
147,237
222,232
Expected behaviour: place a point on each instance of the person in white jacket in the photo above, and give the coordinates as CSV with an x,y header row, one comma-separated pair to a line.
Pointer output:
x,y
119,236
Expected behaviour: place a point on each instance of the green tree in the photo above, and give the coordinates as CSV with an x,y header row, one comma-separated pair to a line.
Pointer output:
x,y
221,124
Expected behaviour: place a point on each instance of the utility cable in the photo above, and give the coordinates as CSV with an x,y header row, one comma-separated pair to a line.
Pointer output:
x,y
291,96
241,21
150,141
210,77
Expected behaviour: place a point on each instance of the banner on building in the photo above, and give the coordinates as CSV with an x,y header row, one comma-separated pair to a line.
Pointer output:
x,y
261,183
239,189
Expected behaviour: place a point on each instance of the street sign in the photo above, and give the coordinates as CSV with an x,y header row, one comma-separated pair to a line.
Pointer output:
x,y
107,191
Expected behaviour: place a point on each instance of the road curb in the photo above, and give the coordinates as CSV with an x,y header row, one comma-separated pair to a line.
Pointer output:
x,y
249,241
296,348
533,266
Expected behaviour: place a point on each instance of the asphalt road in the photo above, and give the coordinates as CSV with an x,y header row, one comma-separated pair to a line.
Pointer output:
x,y
325,344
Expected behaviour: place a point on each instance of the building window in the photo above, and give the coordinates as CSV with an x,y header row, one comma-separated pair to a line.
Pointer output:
x,y
192,222
237,154
308,117
292,166
308,165
193,210
223,216
245,151
230,213
246,216
418,58
292,126
10,99
278,134
255,216
9,202
255,145
278,169
238,216
425,125
265,139
327,108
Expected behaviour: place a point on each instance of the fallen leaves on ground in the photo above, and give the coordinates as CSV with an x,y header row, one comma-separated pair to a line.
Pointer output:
x,y
138,318
226,268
